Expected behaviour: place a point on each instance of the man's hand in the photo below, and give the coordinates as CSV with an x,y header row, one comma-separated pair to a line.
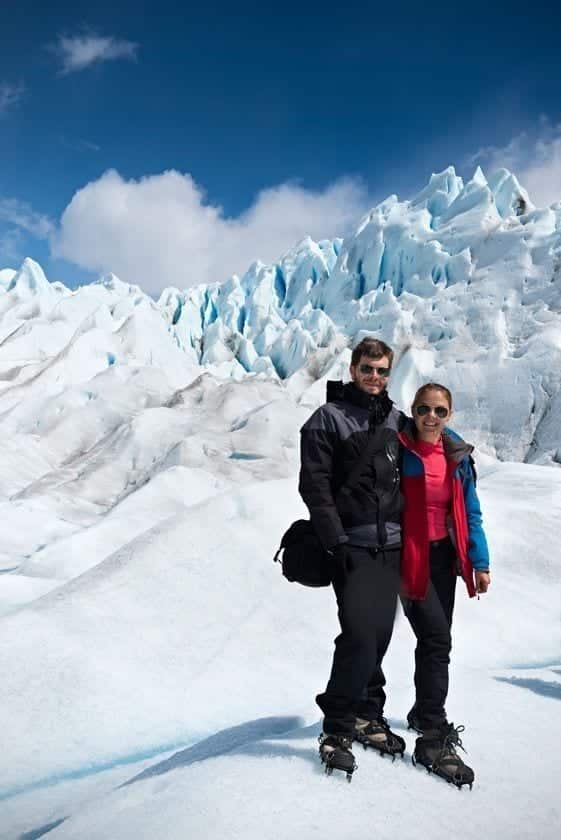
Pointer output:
x,y
482,581
341,558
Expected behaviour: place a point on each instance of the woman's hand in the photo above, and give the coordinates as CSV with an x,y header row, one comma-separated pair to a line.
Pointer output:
x,y
482,581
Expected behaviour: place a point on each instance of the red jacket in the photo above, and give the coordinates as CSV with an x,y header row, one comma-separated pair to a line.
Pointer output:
x,y
465,513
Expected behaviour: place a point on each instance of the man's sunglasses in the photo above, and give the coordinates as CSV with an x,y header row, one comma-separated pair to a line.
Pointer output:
x,y
366,370
440,411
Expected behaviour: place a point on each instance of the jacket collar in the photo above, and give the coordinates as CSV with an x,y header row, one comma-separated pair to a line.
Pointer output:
x,y
455,447
378,405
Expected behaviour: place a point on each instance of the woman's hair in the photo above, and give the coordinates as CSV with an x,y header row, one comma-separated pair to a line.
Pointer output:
x,y
432,386
372,348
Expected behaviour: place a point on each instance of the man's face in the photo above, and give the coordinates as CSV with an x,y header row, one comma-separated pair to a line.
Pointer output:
x,y
371,375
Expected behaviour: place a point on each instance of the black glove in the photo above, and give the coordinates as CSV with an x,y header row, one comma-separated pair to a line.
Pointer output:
x,y
341,555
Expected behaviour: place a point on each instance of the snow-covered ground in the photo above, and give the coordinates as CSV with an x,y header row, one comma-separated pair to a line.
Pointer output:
x,y
158,673
185,655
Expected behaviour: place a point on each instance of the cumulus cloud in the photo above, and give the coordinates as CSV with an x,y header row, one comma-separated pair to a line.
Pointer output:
x,y
78,52
10,95
160,231
534,157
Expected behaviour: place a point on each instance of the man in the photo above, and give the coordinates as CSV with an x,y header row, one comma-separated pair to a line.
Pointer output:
x,y
360,529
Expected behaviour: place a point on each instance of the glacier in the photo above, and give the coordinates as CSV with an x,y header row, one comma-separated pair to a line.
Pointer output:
x,y
463,280
158,674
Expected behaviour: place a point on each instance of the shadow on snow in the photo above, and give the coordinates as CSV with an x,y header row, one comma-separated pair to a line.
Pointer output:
x,y
253,738
259,738
40,832
542,687
234,739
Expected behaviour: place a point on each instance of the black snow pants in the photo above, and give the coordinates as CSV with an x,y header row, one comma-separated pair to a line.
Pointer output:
x,y
431,621
367,599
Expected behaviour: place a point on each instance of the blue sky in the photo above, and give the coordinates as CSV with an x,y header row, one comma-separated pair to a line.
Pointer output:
x,y
239,98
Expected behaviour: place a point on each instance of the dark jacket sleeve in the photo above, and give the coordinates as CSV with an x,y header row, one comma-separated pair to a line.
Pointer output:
x,y
318,443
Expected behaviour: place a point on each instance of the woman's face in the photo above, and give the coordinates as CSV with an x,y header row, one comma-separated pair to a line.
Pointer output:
x,y
431,414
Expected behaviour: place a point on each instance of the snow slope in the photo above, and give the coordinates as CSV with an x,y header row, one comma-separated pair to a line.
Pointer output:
x,y
188,636
148,468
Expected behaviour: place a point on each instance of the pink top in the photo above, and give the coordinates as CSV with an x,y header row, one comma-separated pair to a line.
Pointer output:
x,y
438,487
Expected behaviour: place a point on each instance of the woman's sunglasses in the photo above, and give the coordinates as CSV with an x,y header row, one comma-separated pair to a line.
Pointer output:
x,y
366,370
440,411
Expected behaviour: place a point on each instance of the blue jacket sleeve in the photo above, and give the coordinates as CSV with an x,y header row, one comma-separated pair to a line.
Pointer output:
x,y
478,549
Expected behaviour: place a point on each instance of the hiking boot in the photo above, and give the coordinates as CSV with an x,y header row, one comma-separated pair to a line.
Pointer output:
x,y
414,721
378,735
335,753
436,750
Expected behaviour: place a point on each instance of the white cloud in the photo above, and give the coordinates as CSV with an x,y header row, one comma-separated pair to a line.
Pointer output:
x,y
534,157
15,218
10,247
159,231
542,178
80,51
21,215
10,95
79,145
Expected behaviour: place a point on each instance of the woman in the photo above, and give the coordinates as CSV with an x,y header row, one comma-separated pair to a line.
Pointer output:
x,y
442,538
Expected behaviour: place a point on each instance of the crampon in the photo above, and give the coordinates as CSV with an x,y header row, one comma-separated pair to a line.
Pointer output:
x,y
378,735
335,753
436,750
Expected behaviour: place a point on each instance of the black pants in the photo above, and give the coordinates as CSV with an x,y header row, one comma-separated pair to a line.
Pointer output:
x,y
431,621
367,600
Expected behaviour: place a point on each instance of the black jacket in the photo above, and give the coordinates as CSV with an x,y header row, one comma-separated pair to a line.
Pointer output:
x,y
331,443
